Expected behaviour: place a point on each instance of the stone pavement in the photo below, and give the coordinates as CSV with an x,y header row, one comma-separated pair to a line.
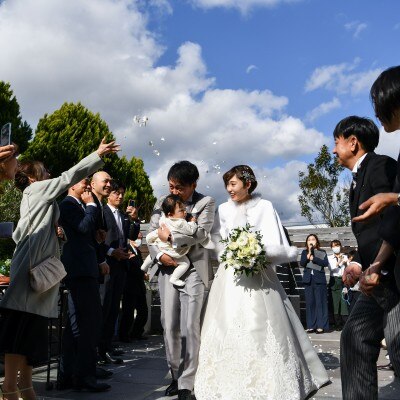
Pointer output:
x,y
144,374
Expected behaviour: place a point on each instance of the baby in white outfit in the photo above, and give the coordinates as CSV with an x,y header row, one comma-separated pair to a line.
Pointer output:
x,y
174,214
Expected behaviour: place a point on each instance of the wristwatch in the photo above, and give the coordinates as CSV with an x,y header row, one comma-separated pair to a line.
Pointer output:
x,y
398,200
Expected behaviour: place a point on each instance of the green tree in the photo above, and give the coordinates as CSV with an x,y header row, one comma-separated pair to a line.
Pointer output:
x,y
10,112
322,196
72,132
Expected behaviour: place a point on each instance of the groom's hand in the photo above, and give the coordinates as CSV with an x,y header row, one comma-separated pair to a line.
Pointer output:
x,y
168,261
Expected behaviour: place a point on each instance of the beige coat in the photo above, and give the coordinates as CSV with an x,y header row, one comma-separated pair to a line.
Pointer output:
x,y
43,209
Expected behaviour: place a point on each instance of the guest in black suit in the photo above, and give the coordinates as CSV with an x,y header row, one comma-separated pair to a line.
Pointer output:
x,y
116,244
376,316
101,187
314,260
385,96
78,214
134,297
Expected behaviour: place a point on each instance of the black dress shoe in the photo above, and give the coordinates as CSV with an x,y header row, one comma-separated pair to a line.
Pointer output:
x,y
172,389
90,384
184,394
106,358
117,352
102,373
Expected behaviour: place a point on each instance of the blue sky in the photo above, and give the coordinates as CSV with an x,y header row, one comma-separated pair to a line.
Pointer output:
x,y
222,82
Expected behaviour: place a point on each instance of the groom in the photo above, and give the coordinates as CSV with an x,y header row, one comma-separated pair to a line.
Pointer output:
x,y
181,306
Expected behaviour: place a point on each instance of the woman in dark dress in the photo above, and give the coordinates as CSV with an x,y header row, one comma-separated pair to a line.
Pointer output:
x,y
314,260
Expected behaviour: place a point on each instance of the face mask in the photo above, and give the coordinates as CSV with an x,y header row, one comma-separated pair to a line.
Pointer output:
x,y
336,250
138,242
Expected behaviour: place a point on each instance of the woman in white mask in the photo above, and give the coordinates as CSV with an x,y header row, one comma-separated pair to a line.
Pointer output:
x,y
337,263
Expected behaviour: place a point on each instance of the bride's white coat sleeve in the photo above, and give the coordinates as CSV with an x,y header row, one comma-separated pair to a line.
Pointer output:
x,y
278,249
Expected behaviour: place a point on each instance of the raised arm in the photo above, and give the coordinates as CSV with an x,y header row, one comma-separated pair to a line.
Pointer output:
x,y
50,189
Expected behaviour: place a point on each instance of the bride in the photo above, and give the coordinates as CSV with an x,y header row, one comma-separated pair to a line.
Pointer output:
x,y
253,345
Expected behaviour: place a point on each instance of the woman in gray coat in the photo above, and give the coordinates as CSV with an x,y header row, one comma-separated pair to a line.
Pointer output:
x,y
24,312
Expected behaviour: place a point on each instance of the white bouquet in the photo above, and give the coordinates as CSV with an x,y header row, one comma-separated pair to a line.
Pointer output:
x,y
244,251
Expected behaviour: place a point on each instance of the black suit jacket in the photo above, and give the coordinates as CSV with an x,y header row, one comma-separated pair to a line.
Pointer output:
x,y
79,252
100,224
376,174
113,235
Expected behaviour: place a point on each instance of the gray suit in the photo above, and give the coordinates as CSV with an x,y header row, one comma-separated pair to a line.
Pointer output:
x,y
181,307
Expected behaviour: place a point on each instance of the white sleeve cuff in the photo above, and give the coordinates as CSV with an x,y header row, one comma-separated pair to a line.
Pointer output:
x,y
109,252
356,263
158,256
91,204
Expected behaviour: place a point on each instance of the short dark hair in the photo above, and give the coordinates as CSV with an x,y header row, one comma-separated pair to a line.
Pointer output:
x,y
351,253
115,186
242,172
169,203
184,172
364,129
385,94
337,242
316,238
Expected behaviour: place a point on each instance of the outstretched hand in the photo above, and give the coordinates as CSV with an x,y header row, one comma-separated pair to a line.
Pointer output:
x,y
106,148
6,151
375,205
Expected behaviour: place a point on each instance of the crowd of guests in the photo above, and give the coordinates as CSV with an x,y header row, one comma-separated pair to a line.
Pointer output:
x,y
98,243
326,296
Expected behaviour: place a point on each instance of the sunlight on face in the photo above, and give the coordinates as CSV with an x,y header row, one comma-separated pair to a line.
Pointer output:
x,y
237,190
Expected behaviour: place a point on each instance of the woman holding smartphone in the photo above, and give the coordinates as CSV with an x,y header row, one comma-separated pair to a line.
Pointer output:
x,y
24,313
314,260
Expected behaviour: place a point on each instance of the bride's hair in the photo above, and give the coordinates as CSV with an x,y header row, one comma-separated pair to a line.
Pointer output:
x,y
242,172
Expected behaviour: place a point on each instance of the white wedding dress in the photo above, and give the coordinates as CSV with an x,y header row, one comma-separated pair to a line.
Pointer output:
x,y
253,346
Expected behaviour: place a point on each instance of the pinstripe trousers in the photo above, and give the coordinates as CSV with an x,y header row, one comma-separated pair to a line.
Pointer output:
x,y
373,318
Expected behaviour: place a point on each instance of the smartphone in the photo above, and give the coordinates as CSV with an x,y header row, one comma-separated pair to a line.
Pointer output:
x,y
131,203
5,134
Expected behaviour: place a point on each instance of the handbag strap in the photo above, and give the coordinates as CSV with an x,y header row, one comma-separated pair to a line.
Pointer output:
x,y
29,232
29,236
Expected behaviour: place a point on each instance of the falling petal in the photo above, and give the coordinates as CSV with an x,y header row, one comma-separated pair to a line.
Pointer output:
x,y
151,143
163,139
156,152
214,142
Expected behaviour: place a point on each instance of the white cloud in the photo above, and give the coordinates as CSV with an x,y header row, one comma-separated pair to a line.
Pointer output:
x,y
242,5
342,78
102,54
322,109
356,27
251,68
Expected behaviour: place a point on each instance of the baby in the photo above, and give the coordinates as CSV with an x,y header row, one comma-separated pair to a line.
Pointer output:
x,y
174,214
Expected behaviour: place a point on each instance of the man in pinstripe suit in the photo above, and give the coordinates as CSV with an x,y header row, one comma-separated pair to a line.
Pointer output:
x,y
376,315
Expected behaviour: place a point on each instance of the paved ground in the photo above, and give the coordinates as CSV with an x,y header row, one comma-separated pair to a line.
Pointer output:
x,y
144,374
